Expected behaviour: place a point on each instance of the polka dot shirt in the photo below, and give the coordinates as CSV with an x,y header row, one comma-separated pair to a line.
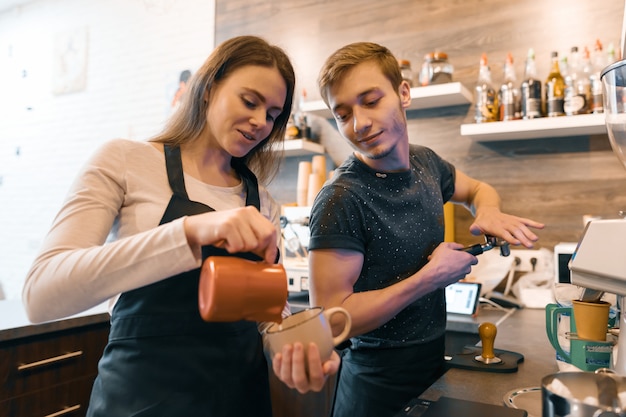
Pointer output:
x,y
396,221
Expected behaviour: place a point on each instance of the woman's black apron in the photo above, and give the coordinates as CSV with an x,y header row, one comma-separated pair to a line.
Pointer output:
x,y
162,359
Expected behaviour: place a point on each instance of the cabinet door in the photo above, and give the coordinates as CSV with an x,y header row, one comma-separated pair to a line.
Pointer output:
x,y
287,402
39,362
70,399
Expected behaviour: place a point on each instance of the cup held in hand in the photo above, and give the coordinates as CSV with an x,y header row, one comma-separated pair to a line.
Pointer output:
x,y
309,326
233,289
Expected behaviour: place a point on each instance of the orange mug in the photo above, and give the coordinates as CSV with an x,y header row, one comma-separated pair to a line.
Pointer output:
x,y
233,289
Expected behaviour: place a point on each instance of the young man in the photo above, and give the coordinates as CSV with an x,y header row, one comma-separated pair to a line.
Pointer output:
x,y
376,244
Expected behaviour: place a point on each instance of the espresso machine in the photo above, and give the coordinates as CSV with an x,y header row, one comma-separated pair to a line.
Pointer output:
x,y
294,223
598,263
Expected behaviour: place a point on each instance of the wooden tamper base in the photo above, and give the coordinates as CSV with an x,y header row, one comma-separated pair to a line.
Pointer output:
x,y
487,332
483,358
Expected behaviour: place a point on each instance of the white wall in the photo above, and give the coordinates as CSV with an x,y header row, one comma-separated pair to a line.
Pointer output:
x,y
135,51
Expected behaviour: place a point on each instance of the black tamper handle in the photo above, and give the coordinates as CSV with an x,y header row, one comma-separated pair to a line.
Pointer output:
x,y
475,250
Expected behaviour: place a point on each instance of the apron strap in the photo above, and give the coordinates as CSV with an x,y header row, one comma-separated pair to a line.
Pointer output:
x,y
174,165
251,185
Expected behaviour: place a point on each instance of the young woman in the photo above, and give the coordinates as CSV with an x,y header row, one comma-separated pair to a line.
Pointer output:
x,y
136,226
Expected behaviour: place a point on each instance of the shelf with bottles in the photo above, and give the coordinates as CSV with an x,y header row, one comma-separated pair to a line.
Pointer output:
x,y
571,95
427,97
543,127
299,147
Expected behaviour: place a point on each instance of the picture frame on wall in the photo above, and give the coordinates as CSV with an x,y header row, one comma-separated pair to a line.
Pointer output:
x,y
69,73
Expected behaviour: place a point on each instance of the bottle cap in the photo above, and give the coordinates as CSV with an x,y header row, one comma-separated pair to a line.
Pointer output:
x,y
598,45
436,56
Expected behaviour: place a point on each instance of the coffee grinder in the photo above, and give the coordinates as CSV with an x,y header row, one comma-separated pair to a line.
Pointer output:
x,y
599,263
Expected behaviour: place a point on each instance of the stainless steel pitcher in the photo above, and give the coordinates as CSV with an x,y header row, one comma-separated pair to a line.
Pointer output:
x,y
582,394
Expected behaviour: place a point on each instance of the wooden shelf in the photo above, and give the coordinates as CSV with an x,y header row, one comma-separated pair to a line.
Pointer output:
x,y
428,97
579,125
299,147
439,95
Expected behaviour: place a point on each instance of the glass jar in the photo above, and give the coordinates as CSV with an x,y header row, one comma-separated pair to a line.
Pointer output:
x,y
436,69
407,72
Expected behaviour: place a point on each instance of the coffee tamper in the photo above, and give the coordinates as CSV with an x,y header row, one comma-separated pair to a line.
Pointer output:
x,y
487,332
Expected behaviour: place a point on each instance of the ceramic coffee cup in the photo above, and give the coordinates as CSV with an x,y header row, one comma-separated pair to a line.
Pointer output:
x,y
309,326
233,289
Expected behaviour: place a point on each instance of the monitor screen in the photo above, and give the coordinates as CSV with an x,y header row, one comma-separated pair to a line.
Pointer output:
x,y
463,297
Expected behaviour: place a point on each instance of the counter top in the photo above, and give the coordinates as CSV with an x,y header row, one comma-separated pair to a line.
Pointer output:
x,y
14,323
523,332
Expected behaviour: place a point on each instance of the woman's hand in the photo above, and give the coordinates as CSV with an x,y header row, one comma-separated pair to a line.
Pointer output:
x,y
242,229
289,366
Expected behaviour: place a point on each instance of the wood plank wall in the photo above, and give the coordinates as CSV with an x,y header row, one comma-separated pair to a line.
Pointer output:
x,y
553,180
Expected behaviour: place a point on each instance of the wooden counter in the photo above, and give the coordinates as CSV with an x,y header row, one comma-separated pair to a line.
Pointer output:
x,y
523,332
49,368
14,323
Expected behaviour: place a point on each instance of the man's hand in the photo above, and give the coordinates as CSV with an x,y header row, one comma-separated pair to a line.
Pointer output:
x,y
513,229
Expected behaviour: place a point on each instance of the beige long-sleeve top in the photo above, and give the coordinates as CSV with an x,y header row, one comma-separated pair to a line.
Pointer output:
x,y
106,238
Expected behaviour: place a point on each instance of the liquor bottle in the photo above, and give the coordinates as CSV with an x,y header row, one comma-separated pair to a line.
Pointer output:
x,y
555,88
486,100
302,118
583,86
531,89
292,131
598,62
570,101
564,66
509,93
610,54
406,71
576,95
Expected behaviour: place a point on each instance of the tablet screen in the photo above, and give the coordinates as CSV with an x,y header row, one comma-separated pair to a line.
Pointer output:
x,y
462,297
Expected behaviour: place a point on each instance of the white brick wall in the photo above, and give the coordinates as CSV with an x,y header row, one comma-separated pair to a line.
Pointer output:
x,y
134,57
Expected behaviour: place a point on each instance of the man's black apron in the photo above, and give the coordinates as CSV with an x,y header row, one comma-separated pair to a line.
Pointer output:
x,y
162,359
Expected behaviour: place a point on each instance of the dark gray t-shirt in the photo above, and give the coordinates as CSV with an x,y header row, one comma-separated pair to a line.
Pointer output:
x,y
396,221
